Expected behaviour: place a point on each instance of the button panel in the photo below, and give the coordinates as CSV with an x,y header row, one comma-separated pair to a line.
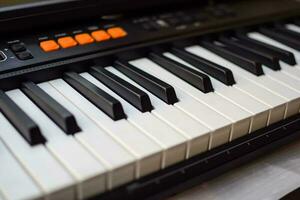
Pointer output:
x,y
20,50
98,35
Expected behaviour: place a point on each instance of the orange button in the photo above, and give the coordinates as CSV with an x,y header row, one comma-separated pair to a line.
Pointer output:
x,y
84,38
66,42
117,32
100,35
49,45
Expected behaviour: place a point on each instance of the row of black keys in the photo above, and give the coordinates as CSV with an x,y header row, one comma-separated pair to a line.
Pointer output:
x,y
239,49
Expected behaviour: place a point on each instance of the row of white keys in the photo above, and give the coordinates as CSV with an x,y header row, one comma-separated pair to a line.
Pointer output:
x,y
258,111
15,183
240,118
118,161
196,133
174,145
38,162
276,103
88,172
146,151
219,126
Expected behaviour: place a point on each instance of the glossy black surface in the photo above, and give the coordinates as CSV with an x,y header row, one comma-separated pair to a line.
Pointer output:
x,y
252,54
282,54
61,116
193,77
281,37
218,72
21,121
243,62
130,93
108,104
159,88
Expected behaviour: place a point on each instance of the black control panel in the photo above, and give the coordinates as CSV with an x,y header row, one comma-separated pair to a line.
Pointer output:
x,y
103,36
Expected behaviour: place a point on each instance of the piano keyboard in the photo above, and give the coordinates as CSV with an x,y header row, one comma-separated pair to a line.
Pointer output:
x,y
87,133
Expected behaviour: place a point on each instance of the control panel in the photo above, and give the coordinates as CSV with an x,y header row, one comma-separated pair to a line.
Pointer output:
x,y
107,34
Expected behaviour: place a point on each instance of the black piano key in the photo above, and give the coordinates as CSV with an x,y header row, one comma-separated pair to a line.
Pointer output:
x,y
130,93
218,72
297,22
21,121
285,56
249,65
61,116
193,77
264,58
108,104
281,37
154,85
280,27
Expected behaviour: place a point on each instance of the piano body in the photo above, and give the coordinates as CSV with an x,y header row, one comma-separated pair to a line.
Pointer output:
x,y
142,99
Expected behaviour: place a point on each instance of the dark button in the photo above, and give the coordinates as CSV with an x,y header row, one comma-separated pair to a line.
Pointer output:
x,y
24,55
18,47
130,93
62,117
20,120
108,104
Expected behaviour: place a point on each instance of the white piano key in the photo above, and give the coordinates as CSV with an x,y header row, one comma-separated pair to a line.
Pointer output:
x,y
288,75
88,172
289,87
15,183
256,110
147,152
220,126
241,118
259,111
38,162
277,103
293,27
197,134
119,162
173,143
